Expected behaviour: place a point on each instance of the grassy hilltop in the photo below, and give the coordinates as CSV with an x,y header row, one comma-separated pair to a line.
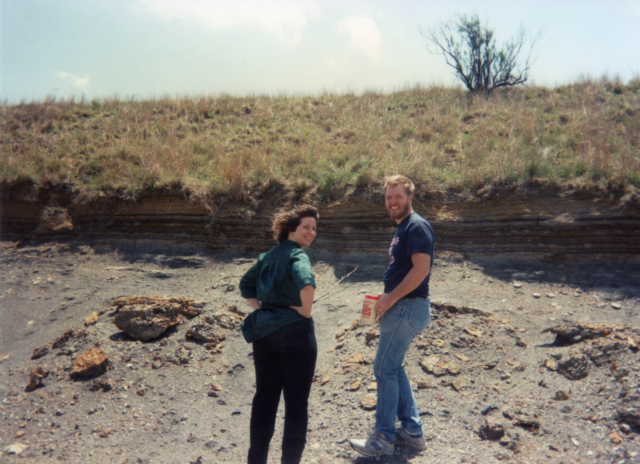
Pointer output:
x,y
585,135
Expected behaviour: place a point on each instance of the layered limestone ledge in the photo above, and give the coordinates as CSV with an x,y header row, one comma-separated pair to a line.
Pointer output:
x,y
532,225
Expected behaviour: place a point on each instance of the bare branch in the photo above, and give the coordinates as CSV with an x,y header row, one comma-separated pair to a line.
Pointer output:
x,y
333,286
470,49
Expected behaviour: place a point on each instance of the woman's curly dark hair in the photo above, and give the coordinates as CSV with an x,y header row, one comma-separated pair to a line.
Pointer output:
x,y
288,221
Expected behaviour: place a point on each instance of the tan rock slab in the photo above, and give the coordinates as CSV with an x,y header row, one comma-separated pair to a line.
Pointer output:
x,y
92,362
357,358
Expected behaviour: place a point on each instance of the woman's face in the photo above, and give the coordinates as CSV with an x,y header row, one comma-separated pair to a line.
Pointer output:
x,y
305,232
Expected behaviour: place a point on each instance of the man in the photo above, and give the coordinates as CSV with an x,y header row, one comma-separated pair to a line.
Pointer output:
x,y
404,310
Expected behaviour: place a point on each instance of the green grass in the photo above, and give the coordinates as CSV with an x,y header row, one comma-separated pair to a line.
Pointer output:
x,y
586,134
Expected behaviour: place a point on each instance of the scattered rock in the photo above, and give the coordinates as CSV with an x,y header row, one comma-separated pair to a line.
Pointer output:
x,y
522,417
452,369
371,336
536,295
458,384
226,321
475,332
204,332
92,319
521,343
157,362
357,358
92,362
630,415
36,377
615,438
570,334
355,385
575,368
16,448
40,352
433,365
214,390
562,395
101,384
62,339
368,403
624,428
491,431
616,305
181,355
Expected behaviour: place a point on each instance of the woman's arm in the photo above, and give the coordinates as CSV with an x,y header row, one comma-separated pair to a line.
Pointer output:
x,y
306,295
254,303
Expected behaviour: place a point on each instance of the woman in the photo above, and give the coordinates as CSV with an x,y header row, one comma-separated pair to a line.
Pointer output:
x,y
280,288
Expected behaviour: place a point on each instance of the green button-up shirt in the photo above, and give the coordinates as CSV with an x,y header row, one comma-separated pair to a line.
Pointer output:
x,y
276,281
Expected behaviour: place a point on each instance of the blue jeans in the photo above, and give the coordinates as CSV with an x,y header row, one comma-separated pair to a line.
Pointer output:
x,y
398,327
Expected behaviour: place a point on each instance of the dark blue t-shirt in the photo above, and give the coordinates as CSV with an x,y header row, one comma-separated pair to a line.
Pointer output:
x,y
413,235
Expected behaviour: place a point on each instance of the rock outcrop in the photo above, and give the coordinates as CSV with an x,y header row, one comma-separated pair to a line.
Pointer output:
x,y
147,317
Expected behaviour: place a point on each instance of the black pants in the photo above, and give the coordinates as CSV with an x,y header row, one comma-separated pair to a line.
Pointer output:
x,y
285,361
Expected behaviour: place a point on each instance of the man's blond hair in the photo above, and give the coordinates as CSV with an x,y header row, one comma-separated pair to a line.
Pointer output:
x,y
393,181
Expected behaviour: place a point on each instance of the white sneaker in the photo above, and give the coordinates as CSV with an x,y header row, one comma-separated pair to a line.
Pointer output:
x,y
404,438
375,445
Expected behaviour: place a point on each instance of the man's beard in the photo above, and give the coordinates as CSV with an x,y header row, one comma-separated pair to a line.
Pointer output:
x,y
402,212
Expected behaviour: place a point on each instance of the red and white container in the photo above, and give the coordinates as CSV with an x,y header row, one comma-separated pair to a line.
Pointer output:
x,y
368,314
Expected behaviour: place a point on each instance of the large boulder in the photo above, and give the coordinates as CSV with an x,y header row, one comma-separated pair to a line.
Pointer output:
x,y
147,317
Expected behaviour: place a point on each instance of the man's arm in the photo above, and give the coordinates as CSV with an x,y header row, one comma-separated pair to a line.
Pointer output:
x,y
419,271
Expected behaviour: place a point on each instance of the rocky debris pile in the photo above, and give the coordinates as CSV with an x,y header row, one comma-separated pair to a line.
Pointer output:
x,y
471,358
147,317
611,348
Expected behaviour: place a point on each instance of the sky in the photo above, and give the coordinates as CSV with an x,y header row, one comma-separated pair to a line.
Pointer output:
x,y
145,49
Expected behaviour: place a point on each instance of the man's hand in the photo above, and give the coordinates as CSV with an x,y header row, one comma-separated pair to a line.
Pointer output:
x,y
419,271
385,301
254,303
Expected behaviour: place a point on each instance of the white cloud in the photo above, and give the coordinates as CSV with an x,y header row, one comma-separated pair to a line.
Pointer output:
x,y
363,34
284,18
80,83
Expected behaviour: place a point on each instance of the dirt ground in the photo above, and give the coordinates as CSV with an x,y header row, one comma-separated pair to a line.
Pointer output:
x,y
490,385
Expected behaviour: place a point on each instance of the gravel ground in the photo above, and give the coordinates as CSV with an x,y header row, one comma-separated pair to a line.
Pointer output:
x,y
490,385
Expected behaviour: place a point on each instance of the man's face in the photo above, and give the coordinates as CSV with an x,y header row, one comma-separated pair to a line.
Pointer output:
x,y
398,203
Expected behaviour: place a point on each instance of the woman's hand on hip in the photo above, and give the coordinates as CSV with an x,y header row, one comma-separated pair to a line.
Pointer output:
x,y
306,295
